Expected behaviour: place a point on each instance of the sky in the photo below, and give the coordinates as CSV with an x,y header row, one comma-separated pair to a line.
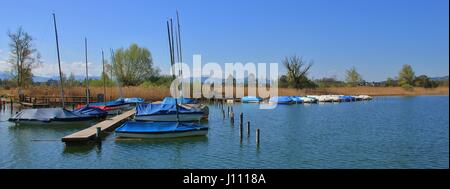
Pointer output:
x,y
375,36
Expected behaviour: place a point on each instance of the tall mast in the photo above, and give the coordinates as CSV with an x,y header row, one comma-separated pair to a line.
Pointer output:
x,y
113,63
172,43
87,73
104,78
179,41
170,49
59,63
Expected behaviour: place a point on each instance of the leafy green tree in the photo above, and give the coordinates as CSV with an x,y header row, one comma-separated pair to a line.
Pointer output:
x,y
352,77
390,82
134,65
424,81
283,82
297,71
406,75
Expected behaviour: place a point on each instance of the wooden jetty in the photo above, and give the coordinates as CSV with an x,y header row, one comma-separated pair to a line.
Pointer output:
x,y
90,133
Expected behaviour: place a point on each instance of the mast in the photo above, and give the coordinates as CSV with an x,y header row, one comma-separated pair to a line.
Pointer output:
x,y
59,63
104,78
113,62
179,41
87,73
170,49
172,43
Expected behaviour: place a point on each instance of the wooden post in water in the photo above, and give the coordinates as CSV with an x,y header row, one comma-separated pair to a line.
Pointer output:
x,y
257,137
248,128
223,113
240,131
241,119
232,118
97,134
11,102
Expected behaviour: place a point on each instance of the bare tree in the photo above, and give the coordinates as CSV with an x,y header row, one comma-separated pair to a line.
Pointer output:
x,y
297,71
23,57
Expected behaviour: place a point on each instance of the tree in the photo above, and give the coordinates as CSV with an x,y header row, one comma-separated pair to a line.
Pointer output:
x,y
297,71
424,81
390,82
23,57
406,76
353,78
133,66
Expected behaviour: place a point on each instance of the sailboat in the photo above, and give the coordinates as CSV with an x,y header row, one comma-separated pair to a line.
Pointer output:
x,y
172,115
58,116
117,106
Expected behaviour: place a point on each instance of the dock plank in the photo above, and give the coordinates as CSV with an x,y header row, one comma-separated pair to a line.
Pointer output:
x,y
89,133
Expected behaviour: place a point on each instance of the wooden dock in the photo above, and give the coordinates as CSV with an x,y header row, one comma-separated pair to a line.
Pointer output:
x,y
89,133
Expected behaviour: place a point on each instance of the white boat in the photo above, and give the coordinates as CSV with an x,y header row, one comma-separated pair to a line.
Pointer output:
x,y
306,99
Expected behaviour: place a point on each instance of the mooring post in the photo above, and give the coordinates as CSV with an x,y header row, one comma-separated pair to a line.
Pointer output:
x,y
257,137
241,118
248,128
228,111
97,134
223,113
240,131
232,118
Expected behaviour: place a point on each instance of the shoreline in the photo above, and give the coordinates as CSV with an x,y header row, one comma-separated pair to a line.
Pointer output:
x,y
158,93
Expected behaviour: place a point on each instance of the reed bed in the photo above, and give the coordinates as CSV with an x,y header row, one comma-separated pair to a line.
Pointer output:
x,y
157,93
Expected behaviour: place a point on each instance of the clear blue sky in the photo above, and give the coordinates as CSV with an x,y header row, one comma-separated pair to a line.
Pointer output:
x,y
375,36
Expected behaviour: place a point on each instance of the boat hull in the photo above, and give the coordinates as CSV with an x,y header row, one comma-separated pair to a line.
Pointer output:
x,y
202,132
169,117
55,123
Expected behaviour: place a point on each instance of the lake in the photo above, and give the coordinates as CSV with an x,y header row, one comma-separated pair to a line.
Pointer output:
x,y
387,132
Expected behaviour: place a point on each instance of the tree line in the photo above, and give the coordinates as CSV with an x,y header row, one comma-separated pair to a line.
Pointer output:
x,y
298,69
132,66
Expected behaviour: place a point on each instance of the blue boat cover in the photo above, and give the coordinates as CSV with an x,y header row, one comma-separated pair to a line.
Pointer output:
x,y
281,99
251,99
296,99
117,102
171,100
163,109
347,98
158,127
133,100
87,110
50,114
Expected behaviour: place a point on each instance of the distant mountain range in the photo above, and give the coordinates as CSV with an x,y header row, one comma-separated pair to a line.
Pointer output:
x,y
6,75
439,78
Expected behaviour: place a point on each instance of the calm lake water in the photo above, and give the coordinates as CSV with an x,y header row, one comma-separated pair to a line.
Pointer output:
x,y
387,132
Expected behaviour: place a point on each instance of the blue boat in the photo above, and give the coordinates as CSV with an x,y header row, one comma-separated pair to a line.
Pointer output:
x,y
171,100
251,99
112,107
281,100
167,112
133,100
347,98
58,116
297,99
132,129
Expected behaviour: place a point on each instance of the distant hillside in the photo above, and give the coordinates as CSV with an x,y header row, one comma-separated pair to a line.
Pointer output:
x,y
6,75
443,78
